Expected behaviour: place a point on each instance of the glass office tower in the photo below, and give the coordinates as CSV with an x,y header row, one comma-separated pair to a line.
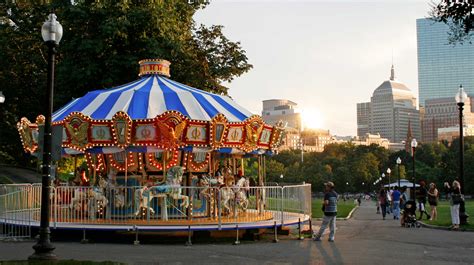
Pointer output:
x,y
442,67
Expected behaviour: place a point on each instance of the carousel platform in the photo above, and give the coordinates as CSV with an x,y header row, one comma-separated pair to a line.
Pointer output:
x,y
267,220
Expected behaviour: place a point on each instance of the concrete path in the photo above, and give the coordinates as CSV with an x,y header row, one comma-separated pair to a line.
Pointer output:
x,y
365,239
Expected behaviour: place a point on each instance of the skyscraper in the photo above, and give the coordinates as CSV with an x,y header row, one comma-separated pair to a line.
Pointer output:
x,y
442,67
392,107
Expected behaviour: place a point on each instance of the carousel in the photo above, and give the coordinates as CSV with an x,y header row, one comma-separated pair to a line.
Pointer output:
x,y
160,155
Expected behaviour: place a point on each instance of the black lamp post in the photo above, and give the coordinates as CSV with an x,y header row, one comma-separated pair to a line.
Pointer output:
x,y
414,144
399,161
51,32
461,97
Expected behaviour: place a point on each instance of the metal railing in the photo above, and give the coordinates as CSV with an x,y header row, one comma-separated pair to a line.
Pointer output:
x,y
152,206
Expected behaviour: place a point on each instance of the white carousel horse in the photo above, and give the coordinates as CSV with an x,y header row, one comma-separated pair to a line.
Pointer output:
x,y
227,195
174,177
243,185
144,196
89,195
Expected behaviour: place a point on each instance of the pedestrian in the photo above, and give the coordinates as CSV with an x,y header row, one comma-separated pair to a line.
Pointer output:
x,y
383,202
421,196
433,200
330,212
403,197
396,203
456,199
359,200
389,201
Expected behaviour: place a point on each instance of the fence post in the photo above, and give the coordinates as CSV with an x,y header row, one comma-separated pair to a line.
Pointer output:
x,y
281,205
275,240
136,242
219,208
84,239
189,243
237,242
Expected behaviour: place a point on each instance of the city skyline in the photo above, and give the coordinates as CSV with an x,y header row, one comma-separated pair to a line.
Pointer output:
x,y
315,62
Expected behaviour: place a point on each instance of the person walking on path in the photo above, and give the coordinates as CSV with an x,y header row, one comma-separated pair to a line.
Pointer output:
x,y
330,212
396,203
383,202
433,200
421,196
456,198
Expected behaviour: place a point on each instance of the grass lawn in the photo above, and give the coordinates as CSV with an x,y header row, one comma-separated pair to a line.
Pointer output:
x,y
444,214
343,208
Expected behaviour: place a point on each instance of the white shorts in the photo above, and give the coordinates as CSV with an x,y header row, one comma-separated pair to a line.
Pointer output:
x,y
421,206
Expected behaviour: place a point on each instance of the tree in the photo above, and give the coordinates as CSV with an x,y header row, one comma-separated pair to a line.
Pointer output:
x,y
458,16
101,46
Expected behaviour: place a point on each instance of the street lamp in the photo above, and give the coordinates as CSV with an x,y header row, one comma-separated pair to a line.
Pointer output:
x,y
414,144
399,161
389,182
2,97
461,97
51,31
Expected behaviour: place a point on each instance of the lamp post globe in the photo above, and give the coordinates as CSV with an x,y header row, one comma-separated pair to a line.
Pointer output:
x,y
52,32
399,161
414,144
460,98
2,97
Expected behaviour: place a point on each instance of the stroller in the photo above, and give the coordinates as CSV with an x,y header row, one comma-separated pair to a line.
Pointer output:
x,y
409,215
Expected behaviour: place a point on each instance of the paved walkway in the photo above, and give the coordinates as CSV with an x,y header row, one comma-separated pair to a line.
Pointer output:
x,y
365,239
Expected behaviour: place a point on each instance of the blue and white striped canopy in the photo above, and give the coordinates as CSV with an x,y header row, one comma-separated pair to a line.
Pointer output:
x,y
150,96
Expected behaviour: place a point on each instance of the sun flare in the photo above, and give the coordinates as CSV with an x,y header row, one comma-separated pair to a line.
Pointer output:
x,y
312,119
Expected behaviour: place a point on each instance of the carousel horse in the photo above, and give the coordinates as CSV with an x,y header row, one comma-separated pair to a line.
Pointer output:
x,y
243,185
144,197
227,194
89,195
174,177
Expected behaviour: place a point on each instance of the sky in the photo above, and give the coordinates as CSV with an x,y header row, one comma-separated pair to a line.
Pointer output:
x,y
326,56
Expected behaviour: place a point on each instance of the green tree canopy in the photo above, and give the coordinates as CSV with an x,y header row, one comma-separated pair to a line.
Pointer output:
x,y
101,46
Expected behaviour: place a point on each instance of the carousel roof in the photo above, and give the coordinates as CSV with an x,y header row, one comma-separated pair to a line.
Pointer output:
x,y
150,96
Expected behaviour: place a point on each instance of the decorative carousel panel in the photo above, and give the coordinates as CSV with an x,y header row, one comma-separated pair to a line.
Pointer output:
x,y
117,161
154,161
171,126
265,136
97,162
218,130
235,135
196,134
253,129
28,135
277,134
121,129
144,133
101,134
198,161
77,129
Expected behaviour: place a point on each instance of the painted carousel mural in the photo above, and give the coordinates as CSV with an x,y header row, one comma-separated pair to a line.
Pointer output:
x,y
164,155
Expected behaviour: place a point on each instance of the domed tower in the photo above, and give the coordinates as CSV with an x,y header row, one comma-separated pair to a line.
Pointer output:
x,y
393,106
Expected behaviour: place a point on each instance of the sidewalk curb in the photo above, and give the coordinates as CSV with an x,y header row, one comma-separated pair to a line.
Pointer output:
x,y
437,227
349,216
